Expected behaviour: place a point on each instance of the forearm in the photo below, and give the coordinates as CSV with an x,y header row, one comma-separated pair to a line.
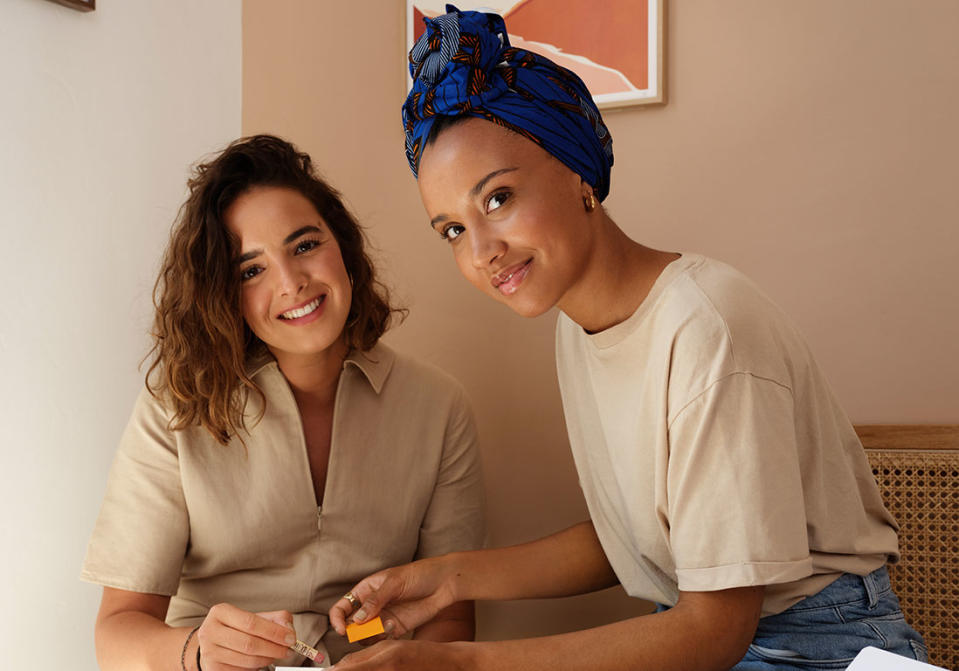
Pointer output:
x,y
704,631
570,562
454,623
566,563
135,641
676,640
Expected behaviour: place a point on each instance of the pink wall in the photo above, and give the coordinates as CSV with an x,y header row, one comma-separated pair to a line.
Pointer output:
x,y
813,145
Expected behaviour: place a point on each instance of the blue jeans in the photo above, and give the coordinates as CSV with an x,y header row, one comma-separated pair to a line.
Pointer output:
x,y
827,630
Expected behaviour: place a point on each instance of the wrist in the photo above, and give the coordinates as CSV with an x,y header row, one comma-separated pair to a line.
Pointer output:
x,y
463,655
458,583
190,655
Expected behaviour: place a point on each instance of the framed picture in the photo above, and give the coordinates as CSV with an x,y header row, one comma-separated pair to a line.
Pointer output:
x,y
82,5
615,46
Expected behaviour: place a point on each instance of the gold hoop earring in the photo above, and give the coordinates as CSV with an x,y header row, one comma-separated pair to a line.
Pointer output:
x,y
589,200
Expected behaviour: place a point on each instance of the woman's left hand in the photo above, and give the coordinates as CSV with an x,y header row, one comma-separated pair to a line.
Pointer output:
x,y
408,656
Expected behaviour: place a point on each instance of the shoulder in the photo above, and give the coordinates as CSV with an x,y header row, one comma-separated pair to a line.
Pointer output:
x,y
148,441
153,428
716,308
708,294
416,399
403,375
726,294
150,410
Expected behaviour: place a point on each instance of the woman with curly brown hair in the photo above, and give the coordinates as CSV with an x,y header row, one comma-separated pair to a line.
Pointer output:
x,y
229,526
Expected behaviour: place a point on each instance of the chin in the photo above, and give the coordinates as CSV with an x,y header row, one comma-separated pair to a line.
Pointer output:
x,y
317,343
528,309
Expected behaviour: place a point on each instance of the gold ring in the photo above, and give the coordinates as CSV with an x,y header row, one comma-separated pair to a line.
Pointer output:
x,y
352,599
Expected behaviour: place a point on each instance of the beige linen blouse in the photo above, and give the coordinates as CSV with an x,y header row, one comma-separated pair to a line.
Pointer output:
x,y
205,523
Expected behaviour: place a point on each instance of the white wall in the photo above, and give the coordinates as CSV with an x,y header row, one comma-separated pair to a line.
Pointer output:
x,y
101,114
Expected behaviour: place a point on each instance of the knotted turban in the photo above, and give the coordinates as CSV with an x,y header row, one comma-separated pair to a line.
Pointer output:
x,y
463,64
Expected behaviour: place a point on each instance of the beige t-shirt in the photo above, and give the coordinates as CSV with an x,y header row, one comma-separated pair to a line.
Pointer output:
x,y
206,523
710,449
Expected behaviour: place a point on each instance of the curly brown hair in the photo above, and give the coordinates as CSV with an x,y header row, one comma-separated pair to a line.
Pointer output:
x,y
201,343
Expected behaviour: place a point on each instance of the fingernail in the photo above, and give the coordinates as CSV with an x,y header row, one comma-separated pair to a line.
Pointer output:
x,y
360,615
388,626
290,639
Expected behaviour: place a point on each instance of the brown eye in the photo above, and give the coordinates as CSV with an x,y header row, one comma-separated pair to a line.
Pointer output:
x,y
452,232
497,200
305,246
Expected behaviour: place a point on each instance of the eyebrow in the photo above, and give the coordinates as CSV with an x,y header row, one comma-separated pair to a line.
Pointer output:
x,y
302,230
440,218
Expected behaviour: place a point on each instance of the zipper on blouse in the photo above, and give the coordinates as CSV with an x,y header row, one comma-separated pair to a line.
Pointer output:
x,y
319,518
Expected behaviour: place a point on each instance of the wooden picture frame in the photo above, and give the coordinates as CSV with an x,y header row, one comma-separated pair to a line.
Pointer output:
x,y
615,46
82,5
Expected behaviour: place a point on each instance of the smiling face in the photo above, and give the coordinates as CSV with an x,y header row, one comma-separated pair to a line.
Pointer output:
x,y
295,290
511,212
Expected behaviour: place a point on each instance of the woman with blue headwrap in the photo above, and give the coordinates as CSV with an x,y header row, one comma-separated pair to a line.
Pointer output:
x,y
723,480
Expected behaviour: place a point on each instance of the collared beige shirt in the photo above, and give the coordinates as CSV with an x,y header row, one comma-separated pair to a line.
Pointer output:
x,y
206,523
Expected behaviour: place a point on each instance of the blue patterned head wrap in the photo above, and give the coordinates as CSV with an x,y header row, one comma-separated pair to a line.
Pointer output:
x,y
464,65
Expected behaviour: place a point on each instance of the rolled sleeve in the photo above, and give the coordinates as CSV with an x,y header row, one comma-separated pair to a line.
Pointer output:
x,y
735,492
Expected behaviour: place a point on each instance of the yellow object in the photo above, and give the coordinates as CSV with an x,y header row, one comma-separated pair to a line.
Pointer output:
x,y
356,632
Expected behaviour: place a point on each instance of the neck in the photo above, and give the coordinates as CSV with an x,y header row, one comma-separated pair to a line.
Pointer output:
x,y
314,377
618,276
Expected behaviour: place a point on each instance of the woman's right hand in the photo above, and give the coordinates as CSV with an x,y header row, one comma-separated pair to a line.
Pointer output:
x,y
231,638
406,596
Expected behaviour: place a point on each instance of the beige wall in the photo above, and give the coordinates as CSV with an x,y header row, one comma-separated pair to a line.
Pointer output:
x,y
812,144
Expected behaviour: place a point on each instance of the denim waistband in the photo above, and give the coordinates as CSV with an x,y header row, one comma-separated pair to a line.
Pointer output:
x,y
849,588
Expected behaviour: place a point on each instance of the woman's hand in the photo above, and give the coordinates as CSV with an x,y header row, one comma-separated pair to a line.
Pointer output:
x,y
131,634
408,656
231,639
406,596
566,563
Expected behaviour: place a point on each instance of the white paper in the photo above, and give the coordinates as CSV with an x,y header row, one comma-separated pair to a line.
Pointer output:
x,y
874,659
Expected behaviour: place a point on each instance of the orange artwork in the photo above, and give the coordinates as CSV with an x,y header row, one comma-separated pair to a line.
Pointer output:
x,y
615,46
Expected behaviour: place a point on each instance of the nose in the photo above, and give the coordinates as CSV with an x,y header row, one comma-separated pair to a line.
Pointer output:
x,y
486,245
290,278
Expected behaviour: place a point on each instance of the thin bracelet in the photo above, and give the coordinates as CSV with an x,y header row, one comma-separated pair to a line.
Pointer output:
x,y
186,644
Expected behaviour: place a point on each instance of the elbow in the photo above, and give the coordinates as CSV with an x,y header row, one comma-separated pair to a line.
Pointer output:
x,y
735,650
740,630
725,621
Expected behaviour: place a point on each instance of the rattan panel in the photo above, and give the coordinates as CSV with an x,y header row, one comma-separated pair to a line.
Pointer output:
x,y
921,490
